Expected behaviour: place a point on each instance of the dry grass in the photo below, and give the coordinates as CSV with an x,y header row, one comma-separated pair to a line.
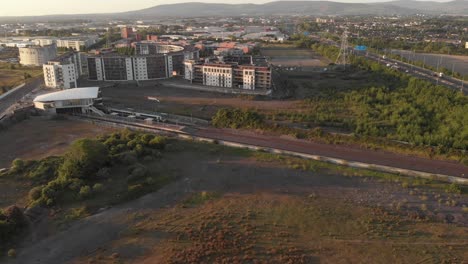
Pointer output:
x,y
10,78
274,228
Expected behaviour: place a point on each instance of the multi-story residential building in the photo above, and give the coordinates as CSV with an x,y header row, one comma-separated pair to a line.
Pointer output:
x,y
220,75
60,76
64,71
113,67
151,61
230,75
37,55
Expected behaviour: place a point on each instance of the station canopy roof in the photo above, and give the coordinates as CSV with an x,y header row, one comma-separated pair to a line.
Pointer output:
x,y
69,94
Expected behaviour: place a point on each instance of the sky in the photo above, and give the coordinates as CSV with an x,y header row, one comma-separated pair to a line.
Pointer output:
x,y
49,7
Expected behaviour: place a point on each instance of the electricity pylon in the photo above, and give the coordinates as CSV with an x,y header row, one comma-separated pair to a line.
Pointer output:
x,y
342,58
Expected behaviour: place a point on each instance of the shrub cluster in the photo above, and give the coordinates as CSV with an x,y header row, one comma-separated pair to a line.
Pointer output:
x,y
237,118
12,223
77,175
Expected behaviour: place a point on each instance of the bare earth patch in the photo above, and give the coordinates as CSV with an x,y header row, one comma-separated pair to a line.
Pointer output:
x,y
39,137
231,208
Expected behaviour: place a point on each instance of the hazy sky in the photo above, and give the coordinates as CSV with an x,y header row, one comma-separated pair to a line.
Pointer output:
x,y
47,7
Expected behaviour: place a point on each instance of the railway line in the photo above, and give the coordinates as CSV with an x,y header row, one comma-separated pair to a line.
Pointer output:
x,y
351,154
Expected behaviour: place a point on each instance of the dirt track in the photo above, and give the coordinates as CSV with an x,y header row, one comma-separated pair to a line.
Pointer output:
x,y
338,151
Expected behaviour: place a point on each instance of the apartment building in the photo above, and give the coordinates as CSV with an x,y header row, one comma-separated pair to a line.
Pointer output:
x,y
229,75
113,67
151,61
220,75
64,71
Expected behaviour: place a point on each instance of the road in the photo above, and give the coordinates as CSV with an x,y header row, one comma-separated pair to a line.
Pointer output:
x,y
16,96
421,73
411,69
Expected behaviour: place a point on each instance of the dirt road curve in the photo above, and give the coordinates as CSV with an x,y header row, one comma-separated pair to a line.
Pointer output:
x,y
337,151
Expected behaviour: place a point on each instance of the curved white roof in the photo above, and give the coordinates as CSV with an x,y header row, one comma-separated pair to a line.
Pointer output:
x,y
70,94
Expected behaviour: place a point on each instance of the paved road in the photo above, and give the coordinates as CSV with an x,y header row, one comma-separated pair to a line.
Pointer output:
x,y
412,70
15,96
422,73
350,153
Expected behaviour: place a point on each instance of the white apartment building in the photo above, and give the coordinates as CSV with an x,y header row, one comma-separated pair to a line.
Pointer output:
x,y
64,71
248,79
60,76
37,55
217,76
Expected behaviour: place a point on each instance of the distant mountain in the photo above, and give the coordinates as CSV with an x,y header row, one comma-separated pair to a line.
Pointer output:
x,y
401,7
273,8
453,7
318,8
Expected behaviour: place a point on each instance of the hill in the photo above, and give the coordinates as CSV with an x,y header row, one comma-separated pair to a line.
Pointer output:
x,y
315,8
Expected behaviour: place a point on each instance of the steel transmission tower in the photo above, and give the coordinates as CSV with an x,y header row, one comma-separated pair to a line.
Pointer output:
x,y
342,58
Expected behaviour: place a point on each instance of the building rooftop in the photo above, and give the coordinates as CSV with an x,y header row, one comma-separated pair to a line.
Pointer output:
x,y
70,94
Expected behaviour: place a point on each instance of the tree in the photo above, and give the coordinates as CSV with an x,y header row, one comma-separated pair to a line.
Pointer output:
x,y
84,158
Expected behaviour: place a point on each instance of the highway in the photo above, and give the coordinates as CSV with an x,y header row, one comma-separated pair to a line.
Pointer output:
x,y
410,69
16,96
421,72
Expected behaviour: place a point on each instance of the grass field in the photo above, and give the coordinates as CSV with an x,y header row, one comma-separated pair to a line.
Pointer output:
x,y
12,75
306,59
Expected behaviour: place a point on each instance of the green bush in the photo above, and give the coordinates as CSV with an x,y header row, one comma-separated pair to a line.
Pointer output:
x,y
98,187
158,142
46,169
103,173
83,159
85,192
12,223
35,193
137,172
134,191
127,158
237,118
454,188
18,165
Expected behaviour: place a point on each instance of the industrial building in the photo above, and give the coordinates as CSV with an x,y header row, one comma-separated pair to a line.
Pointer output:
x,y
64,71
37,55
151,62
228,74
78,100
77,43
